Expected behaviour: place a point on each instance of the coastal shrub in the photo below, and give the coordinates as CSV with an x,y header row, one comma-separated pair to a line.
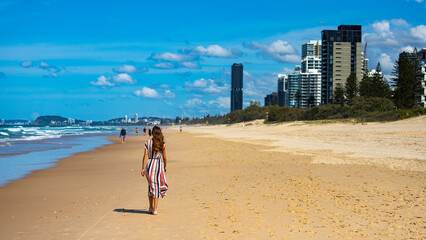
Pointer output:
x,y
332,111
371,104
363,109
407,113
284,114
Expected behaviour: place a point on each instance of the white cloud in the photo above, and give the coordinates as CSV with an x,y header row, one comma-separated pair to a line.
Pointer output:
x,y
152,93
419,32
382,26
386,38
46,66
130,69
168,102
278,50
53,74
170,57
102,82
407,49
386,62
27,64
222,102
164,66
399,22
147,92
169,94
124,78
194,102
208,86
215,51
189,65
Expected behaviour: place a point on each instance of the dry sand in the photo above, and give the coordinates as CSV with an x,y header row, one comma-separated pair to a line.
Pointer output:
x,y
245,188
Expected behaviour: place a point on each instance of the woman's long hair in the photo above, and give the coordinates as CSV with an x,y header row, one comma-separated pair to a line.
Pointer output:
x,y
158,139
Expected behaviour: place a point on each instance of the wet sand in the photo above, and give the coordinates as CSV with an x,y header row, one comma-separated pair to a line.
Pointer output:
x,y
221,187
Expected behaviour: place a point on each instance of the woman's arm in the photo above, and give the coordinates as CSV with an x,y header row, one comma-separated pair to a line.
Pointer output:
x,y
145,156
165,159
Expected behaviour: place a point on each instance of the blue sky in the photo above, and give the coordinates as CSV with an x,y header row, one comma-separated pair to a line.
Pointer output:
x,y
103,59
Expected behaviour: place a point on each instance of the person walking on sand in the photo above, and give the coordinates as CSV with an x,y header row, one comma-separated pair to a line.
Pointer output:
x,y
149,132
154,168
144,131
137,131
123,135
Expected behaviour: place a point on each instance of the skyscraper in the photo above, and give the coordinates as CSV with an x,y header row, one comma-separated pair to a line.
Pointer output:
x,y
271,99
282,89
237,87
293,86
341,56
310,77
136,118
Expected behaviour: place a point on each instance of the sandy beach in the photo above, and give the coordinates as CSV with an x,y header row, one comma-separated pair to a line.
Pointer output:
x,y
286,181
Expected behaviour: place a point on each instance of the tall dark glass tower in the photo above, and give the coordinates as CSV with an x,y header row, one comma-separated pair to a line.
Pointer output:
x,y
341,56
237,87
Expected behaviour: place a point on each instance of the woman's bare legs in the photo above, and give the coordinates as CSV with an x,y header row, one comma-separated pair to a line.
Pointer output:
x,y
155,205
151,204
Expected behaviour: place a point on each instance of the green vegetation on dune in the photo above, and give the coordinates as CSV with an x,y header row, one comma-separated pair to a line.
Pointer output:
x,y
362,110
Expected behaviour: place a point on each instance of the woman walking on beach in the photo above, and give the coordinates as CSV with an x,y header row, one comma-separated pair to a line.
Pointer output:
x,y
154,168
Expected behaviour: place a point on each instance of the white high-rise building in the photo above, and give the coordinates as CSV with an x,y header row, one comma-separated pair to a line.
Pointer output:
x,y
302,88
71,121
2,122
125,118
136,118
282,89
421,88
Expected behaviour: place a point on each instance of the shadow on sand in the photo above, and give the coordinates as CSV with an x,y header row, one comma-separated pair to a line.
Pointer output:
x,y
123,210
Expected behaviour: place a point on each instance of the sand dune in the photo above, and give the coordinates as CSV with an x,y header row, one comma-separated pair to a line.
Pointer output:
x,y
397,145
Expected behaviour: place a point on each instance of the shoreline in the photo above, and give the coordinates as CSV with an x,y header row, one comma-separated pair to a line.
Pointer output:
x,y
17,166
218,189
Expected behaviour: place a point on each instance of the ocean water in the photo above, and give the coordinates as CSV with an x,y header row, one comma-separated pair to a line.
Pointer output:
x,y
26,149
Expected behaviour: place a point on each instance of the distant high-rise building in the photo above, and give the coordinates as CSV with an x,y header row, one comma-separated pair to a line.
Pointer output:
x,y
71,121
237,87
136,118
311,55
271,99
293,86
365,64
309,94
341,56
2,121
125,118
255,103
282,89
302,88
421,88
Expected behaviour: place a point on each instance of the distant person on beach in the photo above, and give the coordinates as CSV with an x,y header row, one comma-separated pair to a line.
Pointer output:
x,y
154,168
137,131
144,131
123,135
180,129
149,132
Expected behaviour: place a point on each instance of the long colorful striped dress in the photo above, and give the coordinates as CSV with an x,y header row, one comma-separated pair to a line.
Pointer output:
x,y
154,171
